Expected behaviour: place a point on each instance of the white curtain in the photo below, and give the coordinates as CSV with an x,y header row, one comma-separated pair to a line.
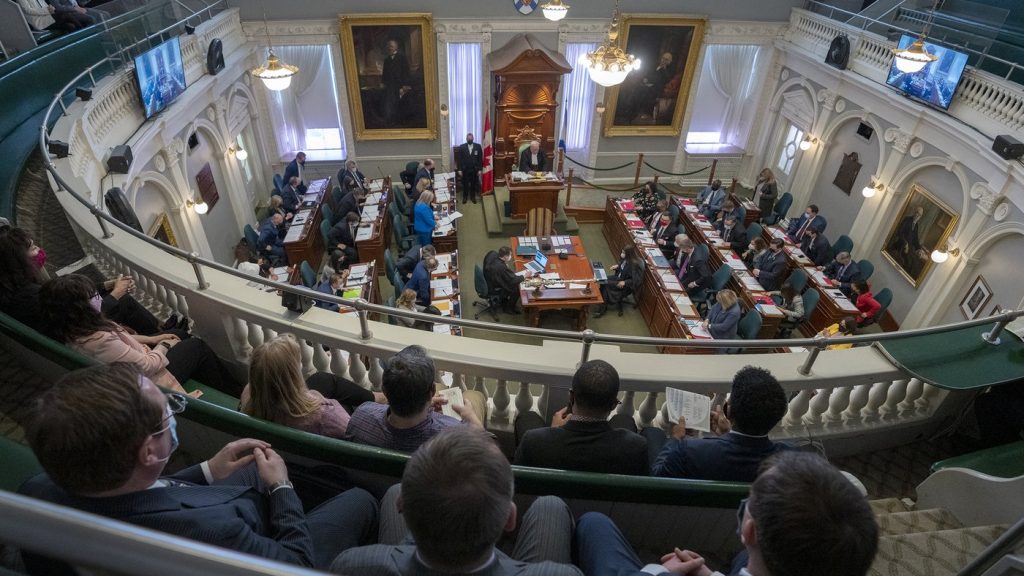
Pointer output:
x,y
577,102
731,69
465,91
285,111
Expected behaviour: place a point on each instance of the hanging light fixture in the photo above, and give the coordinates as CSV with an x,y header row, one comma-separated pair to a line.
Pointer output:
x,y
872,189
807,142
914,58
555,10
609,64
940,255
275,74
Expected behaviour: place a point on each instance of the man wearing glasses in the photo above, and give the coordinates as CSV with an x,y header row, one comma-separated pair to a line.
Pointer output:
x,y
104,435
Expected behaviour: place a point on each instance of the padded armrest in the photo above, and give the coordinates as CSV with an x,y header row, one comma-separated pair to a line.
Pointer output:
x,y
1006,461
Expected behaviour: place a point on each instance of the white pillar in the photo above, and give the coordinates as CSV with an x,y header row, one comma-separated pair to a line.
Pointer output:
x,y
868,229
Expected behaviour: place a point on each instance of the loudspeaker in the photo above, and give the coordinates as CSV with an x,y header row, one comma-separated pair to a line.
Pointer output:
x,y
865,131
120,159
118,207
838,54
1008,147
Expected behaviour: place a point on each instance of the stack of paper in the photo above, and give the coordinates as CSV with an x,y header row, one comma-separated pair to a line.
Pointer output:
x,y
846,305
294,233
671,282
769,310
751,283
301,217
527,241
364,232
696,329
445,306
441,196
690,208
734,262
374,198
454,396
575,286
443,263
778,233
442,287
550,276
370,213
377,185
695,408
627,205
634,221
439,328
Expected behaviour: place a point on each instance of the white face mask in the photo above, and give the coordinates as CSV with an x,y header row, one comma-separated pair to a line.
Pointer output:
x,y
96,302
622,255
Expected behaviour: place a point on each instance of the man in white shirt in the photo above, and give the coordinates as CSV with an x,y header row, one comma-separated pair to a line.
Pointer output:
x,y
532,159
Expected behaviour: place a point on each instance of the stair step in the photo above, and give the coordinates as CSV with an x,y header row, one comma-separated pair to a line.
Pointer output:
x,y
938,553
888,505
915,521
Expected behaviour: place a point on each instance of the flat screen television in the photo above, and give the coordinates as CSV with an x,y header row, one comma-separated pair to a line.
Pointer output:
x,y
161,76
936,82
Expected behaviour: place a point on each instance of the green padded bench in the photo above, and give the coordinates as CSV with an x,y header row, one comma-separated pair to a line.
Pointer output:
x,y
1006,461
19,464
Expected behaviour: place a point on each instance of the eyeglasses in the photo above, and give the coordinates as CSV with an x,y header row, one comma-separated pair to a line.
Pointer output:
x,y
176,404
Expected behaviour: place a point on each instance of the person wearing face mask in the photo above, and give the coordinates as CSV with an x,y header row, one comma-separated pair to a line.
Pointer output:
x,y
103,436
626,278
331,285
71,315
691,267
471,162
772,266
810,217
710,199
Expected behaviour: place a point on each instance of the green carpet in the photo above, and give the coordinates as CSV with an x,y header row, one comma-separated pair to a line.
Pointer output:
x,y
959,360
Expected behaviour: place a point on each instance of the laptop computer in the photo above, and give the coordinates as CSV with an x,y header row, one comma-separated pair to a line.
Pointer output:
x,y
538,264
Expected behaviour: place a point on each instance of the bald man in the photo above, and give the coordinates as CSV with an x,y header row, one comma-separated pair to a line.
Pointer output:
x,y
532,159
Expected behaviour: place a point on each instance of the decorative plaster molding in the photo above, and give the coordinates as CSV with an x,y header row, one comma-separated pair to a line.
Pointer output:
x,y
743,32
987,198
159,163
784,75
828,98
1001,212
256,31
899,139
840,106
916,149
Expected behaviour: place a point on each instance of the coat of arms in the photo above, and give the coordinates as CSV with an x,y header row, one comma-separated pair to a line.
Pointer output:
x,y
525,7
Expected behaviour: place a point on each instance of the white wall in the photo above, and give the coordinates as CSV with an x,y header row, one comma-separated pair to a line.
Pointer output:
x,y
219,223
838,208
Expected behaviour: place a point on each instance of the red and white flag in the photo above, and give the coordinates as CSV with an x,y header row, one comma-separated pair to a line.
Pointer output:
x,y
488,175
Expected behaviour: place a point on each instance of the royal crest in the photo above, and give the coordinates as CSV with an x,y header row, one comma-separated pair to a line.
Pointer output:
x,y
525,7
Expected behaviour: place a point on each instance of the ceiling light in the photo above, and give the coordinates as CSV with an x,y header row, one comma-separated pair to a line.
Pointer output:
x,y
275,74
609,64
914,58
555,10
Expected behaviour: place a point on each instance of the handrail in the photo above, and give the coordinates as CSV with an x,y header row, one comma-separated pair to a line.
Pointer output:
x,y
119,547
364,308
1005,544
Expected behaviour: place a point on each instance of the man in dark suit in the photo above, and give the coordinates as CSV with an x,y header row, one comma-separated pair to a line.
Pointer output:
x,y
787,526
844,272
351,178
810,218
501,279
270,243
290,195
532,159
816,247
425,171
396,83
710,199
342,236
773,263
455,501
731,208
295,169
692,268
419,282
407,263
581,436
664,232
351,202
756,404
734,234
103,436
471,162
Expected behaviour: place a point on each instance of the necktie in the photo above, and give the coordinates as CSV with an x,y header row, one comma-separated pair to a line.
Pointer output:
x,y
841,271
800,232
682,268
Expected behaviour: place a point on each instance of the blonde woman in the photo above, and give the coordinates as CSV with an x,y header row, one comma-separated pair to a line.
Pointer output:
x,y
277,207
766,191
277,392
724,317
406,301
423,217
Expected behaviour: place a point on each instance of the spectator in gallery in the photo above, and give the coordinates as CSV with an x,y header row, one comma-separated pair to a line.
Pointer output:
x,y
296,168
766,190
423,218
70,16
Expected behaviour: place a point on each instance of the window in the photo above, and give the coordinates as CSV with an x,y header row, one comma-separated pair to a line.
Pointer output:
x,y
323,139
703,137
790,145
246,166
577,99
305,116
465,87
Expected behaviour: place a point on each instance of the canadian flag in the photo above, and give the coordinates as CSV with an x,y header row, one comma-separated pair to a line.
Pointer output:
x,y
488,176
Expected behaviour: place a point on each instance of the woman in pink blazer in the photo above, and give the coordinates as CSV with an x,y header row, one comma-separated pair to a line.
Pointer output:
x,y
70,309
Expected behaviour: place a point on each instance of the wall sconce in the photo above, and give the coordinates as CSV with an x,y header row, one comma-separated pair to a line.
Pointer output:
x,y
444,110
238,151
200,207
871,189
941,255
600,108
805,144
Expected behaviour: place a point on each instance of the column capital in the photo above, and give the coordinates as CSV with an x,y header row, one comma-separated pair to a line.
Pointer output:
x,y
899,139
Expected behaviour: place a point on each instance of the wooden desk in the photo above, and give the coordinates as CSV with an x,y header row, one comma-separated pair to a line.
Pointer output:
x,y
533,194
309,246
576,268
444,204
449,305
753,213
372,249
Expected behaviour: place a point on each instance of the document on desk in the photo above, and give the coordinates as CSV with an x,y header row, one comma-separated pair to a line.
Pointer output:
x,y
549,276
695,408
364,232
671,282
443,230
373,198
439,328
441,195
454,396
697,330
576,286
443,263
846,306
294,233
370,213
301,217
358,271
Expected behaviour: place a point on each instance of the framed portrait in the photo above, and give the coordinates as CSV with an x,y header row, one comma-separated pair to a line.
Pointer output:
x,y
923,224
390,71
652,100
161,230
976,299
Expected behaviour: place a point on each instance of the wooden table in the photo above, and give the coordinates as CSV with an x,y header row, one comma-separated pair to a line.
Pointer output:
x,y
576,268
753,213
444,204
310,244
372,248
370,290
531,194
448,304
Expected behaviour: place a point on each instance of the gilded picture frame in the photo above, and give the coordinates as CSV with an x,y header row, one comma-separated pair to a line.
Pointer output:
x,y
162,231
391,75
652,100
924,224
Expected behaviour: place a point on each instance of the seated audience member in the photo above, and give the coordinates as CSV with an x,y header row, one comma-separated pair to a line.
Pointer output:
x,y
455,502
295,168
710,199
733,232
420,280
71,314
71,16
103,436
426,171
423,218
319,404
789,526
730,207
765,192
646,199
407,301
331,285
407,263
342,236
866,304
625,279
1000,413
691,267
502,280
581,436
791,304
664,233
21,276
845,327
772,267
412,415
270,242
755,251
756,404
816,247
810,218
41,16
277,207
351,202
724,317
290,195
844,272
352,178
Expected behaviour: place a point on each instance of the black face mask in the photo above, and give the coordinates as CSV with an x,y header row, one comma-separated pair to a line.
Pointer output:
x,y
470,141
